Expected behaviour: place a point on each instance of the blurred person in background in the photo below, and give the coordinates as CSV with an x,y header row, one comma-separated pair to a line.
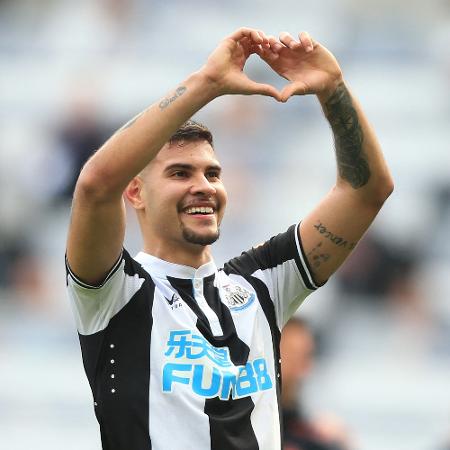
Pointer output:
x,y
300,431
78,136
178,353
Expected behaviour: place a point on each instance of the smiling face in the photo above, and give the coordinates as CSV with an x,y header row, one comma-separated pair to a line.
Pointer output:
x,y
182,198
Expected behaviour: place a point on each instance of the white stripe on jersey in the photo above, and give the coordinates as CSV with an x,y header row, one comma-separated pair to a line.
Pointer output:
x,y
189,430
209,313
94,306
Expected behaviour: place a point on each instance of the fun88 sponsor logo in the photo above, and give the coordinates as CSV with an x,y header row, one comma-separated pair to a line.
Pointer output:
x,y
208,370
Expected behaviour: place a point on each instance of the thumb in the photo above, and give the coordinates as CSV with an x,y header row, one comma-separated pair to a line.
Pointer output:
x,y
252,87
292,89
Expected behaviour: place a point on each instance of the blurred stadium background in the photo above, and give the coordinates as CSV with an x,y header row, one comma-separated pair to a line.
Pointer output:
x,y
73,72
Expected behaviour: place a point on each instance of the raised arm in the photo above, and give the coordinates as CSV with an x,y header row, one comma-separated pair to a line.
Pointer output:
x,y
333,228
97,225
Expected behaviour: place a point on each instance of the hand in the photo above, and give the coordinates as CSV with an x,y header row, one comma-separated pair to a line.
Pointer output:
x,y
224,67
310,67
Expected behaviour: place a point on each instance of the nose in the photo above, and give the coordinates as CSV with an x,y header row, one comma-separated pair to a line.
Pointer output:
x,y
203,186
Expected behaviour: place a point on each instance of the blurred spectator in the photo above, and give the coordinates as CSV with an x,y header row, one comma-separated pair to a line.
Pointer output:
x,y
302,432
374,268
79,136
11,251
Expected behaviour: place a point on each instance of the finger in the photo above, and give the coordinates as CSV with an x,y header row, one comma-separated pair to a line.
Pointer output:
x,y
250,47
306,41
258,49
243,32
275,44
246,43
260,88
256,37
288,40
268,55
290,90
265,42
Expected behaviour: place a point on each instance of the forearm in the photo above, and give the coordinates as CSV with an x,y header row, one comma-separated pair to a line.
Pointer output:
x,y
134,145
360,162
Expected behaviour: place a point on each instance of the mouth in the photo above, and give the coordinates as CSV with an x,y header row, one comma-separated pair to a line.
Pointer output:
x,y
200,211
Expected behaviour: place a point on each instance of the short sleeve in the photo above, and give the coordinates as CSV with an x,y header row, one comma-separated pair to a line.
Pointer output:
x,y
94,306
281,265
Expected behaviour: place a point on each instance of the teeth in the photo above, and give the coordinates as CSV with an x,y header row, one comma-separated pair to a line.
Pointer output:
x,y
200,210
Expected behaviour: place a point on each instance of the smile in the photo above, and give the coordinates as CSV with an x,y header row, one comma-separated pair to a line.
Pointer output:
x,y
204,210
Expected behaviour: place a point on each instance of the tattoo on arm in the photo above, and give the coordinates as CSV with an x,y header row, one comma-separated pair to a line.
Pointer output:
x,y
179,91
163,104
335,239
317,257
348,136
131,122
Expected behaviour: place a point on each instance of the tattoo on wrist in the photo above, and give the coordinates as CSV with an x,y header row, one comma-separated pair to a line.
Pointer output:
x,y
317,257
179,91
335,239
348,137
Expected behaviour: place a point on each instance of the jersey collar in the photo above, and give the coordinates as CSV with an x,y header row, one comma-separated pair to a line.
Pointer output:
x,y
162,268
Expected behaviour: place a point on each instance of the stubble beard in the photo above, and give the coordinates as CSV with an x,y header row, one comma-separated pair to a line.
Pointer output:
x,y
200,239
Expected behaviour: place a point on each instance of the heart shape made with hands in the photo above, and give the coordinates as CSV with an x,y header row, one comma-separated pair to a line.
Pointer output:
x,y
309,67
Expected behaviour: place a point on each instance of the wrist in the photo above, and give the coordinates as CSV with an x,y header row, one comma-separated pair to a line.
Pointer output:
x,y
213,87
325,94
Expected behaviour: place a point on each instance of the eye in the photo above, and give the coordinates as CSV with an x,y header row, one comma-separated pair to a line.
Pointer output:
x,y
180,174
213,174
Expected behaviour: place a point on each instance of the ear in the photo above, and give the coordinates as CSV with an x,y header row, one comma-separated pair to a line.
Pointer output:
x,y
135,194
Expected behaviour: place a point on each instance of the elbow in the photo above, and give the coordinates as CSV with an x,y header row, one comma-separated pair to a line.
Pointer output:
x,y
383,190
389,187
94,185
386,187
372,195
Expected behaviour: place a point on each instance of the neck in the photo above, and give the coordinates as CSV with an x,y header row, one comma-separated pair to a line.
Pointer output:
x,y
191,255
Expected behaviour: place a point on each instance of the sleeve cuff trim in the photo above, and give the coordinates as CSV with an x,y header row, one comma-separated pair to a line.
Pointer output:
x,y
90,286
303,262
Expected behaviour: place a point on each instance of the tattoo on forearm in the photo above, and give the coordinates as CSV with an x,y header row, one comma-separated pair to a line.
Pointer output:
x,y
163,104
131,122
348,136
317,257
335,239
179,91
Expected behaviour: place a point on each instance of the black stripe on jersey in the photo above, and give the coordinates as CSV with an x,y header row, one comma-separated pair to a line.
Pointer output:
x,y
229,420
275,251
114,356
239,350
263,296
184,289
227,417
230,424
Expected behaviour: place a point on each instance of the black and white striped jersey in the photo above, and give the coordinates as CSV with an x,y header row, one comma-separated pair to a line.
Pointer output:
x,y
185,358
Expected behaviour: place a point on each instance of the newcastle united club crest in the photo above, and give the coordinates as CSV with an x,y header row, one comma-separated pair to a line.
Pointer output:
x,y
238,298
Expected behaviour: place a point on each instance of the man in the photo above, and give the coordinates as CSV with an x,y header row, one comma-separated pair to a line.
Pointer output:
x,y
300,431
178,353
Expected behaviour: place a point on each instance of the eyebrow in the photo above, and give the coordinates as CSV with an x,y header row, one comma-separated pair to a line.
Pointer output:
x,y
190,167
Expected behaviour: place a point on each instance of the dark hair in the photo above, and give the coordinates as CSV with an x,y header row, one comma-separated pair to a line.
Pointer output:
x,y
192,131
